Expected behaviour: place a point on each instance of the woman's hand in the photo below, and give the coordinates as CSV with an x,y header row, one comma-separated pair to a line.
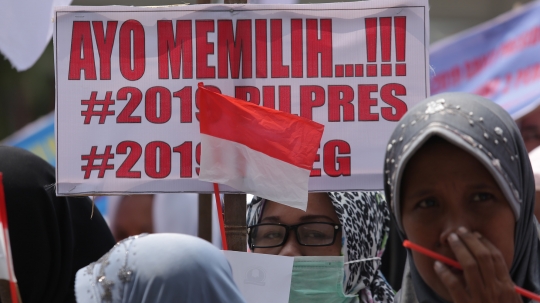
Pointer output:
x,y
485,275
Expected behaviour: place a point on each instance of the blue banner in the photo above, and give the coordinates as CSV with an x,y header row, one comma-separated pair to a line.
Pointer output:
x,y
499,60
37,137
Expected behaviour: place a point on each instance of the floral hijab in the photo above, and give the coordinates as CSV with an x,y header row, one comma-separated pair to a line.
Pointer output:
x,y
159,268
365,218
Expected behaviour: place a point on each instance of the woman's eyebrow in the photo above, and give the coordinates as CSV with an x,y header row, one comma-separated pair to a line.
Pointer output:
x,y
306,218
418,193
271,219
427,191
479,186
315,218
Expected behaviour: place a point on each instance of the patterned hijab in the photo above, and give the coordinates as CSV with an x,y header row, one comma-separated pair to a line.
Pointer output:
x,y
365,218
158,268
486,131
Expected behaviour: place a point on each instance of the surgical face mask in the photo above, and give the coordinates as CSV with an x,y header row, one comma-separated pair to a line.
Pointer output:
x,y
320,279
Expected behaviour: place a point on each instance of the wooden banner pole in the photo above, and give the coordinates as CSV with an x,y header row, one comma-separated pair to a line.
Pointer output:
x,y
235,204
235,207
235,221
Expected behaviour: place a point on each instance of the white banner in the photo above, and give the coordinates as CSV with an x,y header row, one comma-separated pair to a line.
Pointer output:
x,y
126,80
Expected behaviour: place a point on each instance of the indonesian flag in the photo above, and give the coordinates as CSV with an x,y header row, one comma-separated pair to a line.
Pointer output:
x,y
8,283
255,149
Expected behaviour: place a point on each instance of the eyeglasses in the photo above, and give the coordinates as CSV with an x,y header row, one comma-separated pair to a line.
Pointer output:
x,y
267,235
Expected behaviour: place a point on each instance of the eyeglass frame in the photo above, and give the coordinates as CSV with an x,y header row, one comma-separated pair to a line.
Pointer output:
x,y
289,228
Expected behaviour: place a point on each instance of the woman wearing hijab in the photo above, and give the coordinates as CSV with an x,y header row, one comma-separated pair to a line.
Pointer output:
x,y
350,226
159,268
460,183
51,237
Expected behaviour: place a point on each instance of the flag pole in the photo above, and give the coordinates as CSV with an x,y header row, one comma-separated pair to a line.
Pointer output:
x,y
232,222
3,218
220,217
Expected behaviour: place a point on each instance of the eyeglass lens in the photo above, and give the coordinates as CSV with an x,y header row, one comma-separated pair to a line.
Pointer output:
x,y
315,234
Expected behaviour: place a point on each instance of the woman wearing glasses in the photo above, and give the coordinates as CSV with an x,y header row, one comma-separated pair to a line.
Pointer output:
x,y
337,244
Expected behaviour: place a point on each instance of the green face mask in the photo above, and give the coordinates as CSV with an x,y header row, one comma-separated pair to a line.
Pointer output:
x,y
319,279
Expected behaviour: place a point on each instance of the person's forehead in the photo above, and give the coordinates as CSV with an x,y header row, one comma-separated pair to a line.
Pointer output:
x,y
319,204
438,149
458,175
450,160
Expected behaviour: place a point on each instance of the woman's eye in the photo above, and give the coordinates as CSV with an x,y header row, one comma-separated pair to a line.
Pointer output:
x,y
315,234
272,235
426,203
482,197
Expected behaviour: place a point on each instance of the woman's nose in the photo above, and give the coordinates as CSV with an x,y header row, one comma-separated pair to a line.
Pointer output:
x,y
451,224
291,248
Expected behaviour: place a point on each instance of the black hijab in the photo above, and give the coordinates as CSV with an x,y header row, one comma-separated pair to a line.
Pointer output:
x,y
486,131
51,237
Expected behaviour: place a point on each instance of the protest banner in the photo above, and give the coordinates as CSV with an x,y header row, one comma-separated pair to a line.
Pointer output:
x,y
498,60
126,77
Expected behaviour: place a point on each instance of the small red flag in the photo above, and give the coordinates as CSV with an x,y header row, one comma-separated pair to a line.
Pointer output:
x,y
255,149
6,264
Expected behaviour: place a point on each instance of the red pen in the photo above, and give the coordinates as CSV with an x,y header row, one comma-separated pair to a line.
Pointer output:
x,y
455,264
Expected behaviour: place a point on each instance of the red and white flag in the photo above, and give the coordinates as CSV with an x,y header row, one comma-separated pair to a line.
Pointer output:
x,y
257,150
7,274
